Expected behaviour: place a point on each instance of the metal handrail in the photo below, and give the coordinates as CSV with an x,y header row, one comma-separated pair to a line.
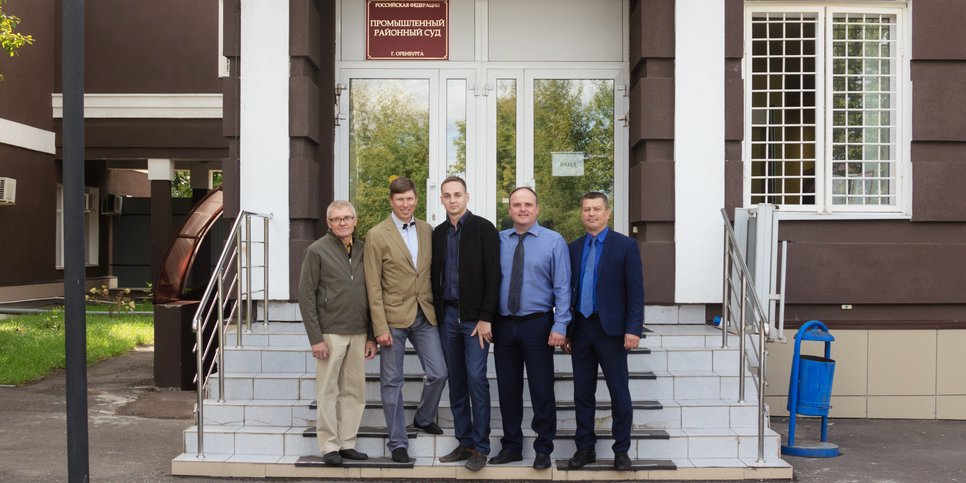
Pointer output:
x,y
216,300
733,260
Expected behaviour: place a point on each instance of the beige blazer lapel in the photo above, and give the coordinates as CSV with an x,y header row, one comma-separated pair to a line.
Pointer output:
x,y
424,236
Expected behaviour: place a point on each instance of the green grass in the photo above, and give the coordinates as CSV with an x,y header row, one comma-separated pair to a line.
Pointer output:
x,y
32,346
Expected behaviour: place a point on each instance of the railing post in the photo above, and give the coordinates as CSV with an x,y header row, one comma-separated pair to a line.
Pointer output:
x,y
248,271
726,298
221,334
265,271
200,412
741,338
761,394
238,289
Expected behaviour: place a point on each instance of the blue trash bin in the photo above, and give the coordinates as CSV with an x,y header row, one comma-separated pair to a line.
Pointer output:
x,y
814,385
810,391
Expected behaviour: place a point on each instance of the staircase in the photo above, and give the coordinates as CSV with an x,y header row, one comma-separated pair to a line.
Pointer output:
x,y
687,421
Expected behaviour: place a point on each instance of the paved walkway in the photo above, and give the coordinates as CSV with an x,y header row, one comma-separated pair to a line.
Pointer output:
x,y
135,431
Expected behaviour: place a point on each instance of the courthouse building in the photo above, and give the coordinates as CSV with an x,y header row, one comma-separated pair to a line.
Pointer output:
x,y
846,115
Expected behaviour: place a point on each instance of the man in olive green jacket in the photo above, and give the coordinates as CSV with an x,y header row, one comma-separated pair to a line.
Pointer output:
x,y
335,311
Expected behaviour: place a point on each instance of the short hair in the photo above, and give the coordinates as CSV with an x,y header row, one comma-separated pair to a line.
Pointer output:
x,y
527,188
596,195
400,185
454,179
337,204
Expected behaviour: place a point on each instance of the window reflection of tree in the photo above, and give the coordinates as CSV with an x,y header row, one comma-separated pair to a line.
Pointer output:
x,y
388,137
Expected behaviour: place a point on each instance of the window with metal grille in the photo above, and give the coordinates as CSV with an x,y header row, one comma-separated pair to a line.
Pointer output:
x,y
823,107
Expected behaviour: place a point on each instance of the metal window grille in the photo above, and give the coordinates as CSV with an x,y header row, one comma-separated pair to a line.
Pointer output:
x,y
783,120
863,111
823,118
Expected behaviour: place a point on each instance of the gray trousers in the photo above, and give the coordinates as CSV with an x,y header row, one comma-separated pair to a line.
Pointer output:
x,y
425,339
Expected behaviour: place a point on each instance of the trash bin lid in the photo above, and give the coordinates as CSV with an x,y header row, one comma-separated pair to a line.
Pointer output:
x,y
818,334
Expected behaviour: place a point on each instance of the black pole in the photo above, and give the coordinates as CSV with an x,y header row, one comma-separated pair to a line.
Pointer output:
x,y
75,322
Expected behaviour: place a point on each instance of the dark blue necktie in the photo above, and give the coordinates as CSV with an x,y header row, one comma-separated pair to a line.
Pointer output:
x,y
587,282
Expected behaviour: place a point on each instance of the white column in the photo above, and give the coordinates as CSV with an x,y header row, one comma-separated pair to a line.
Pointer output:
x,y
160,170
698,149
264,141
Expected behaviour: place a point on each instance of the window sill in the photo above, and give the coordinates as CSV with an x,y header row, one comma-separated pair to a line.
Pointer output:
x,y
810,216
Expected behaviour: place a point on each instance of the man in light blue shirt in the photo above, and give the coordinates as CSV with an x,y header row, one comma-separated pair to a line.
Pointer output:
x,y
532,322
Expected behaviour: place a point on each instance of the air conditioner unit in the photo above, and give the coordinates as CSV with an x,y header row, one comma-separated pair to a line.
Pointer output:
x,y
88,203
8,191
111,204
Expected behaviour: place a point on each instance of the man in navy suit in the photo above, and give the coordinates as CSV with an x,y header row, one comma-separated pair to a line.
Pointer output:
x,y
608,295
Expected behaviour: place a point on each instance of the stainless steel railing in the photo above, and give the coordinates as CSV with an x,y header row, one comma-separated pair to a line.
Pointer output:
x,y
233,275
751,319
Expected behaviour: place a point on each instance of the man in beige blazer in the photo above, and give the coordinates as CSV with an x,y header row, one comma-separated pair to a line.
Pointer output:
x,y
397,259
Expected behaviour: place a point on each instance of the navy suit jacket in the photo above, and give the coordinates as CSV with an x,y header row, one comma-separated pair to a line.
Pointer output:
x,y
620,284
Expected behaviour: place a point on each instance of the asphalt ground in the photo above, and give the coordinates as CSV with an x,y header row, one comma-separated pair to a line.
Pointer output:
x,y
136,429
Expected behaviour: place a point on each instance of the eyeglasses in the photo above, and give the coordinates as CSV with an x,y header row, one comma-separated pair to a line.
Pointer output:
x,y
341,219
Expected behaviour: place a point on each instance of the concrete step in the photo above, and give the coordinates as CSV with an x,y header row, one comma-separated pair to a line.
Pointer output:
x,y
292,359
273,466
662,444
677,385
291,334
670,414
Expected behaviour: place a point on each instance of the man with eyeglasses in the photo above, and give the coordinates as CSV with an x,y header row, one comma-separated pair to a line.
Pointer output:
x,y
335,311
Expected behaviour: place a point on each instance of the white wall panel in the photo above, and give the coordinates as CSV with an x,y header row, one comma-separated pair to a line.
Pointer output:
x,y
264,149
698,150
556,30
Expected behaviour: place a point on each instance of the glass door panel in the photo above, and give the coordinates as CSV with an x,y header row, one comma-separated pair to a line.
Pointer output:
x,y
456,127
573,147
388,136
506,148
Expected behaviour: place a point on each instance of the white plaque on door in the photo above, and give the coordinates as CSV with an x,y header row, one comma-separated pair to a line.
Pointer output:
x,y
568,164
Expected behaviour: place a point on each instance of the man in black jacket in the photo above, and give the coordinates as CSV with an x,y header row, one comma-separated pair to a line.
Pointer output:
x,y
466,284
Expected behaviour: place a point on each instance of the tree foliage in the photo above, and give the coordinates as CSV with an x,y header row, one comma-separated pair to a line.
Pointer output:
x,y
389,136
10,40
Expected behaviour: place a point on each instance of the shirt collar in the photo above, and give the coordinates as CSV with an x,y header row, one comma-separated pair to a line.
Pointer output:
x,y
399,223
600,236
461,221
534,229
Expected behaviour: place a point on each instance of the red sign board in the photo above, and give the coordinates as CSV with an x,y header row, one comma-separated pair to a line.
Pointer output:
x,y
403,29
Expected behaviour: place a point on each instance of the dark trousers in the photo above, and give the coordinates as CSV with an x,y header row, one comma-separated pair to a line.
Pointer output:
x,y
469,389
518,344
591,346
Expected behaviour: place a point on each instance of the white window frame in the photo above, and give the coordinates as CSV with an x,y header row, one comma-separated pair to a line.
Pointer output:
x,y
91,229
824,209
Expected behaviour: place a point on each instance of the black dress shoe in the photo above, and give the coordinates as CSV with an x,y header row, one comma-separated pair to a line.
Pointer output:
x,y
352,454
476,462
400,455
505,457
431,427
332,458
541,462
581,458
461,453
622,462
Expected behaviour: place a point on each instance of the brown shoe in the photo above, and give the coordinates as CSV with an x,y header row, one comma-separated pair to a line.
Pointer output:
x,y
476,462
459,454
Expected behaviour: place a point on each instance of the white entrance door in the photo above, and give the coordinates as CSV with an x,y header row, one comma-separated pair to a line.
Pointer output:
x,y
417,123
557,131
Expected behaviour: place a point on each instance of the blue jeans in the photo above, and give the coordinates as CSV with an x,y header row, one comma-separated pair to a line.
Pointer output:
x,y
425,339
469,389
